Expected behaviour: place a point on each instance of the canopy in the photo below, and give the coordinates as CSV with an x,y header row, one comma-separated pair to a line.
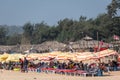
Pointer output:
x,y
14,57
76,56
4,57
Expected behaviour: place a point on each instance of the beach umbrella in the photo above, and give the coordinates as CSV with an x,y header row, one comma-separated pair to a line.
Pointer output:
x,y
4,57
14,57
36,61
44,57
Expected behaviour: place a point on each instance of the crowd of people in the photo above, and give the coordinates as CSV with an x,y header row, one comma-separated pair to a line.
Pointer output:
x,y
26,65
93,67
22,65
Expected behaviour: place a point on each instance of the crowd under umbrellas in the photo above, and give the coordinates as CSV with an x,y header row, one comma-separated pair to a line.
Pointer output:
x,y
59,67
59,61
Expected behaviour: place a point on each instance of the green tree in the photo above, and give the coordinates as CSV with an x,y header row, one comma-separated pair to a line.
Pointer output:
x,y
113,7
28,32
3,34
41,32
13,39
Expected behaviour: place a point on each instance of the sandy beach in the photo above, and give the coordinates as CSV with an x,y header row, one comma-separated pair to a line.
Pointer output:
x,y
16,75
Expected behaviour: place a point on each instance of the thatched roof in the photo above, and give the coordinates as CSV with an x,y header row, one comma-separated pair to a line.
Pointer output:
x,y
50,45
55,46
86,44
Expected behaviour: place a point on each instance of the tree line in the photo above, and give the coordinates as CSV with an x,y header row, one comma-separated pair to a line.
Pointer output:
x,y
68,30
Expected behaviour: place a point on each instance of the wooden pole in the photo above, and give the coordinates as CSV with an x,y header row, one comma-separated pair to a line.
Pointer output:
x,y
97,40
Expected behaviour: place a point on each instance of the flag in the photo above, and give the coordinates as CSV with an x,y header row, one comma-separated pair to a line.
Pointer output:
x,y
115,37
101,43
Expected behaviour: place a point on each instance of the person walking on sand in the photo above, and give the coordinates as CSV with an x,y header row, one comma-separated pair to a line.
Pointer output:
x,y
21,64
25,64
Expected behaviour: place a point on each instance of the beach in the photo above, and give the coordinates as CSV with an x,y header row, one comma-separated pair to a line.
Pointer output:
x,y
16,75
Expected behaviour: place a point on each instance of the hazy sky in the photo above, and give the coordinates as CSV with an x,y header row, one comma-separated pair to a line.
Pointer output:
x,y
19,12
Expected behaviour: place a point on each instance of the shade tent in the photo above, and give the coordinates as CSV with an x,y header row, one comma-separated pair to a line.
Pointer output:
x,y
32,56
14,57
64,56
4,57
107,52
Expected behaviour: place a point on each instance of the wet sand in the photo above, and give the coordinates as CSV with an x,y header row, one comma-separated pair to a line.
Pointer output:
x,y
16,75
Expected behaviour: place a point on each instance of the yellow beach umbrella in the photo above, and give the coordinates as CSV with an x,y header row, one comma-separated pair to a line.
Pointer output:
x,y
4,57
14,57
